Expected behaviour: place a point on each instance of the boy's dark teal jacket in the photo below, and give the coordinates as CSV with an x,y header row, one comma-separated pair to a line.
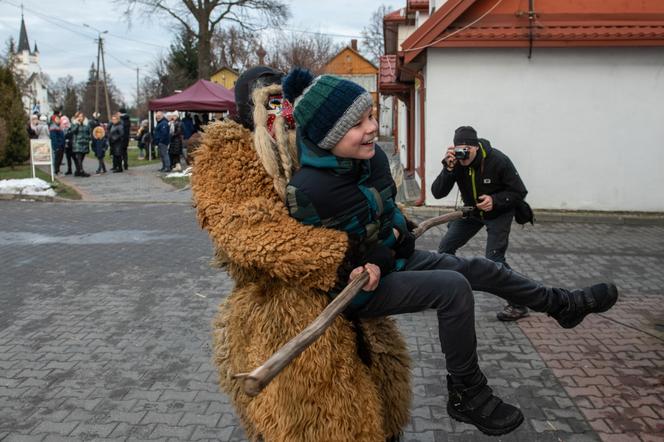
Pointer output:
x,y
356,196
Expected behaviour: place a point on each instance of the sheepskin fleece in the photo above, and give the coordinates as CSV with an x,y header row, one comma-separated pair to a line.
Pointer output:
x,y
282,270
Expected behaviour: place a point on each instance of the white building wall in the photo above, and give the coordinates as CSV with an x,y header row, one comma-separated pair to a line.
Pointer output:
x,y
417,132
402,131
584,126
385,117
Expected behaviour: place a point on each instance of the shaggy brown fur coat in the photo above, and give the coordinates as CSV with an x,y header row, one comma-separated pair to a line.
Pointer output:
x,y
282,270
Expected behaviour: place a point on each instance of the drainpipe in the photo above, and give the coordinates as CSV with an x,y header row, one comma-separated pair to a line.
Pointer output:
x,y
410,166
421,167
395,127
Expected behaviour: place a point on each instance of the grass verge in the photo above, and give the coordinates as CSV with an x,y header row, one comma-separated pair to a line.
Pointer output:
x,y
132,156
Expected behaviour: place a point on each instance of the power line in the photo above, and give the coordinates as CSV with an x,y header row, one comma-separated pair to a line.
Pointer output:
x,y
57,21
73,27
123,63
48,45
302,31
122,37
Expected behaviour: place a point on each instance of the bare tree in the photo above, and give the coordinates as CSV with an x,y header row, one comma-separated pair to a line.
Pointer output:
x,y
235,48
372,35
202,17
311,51
57,90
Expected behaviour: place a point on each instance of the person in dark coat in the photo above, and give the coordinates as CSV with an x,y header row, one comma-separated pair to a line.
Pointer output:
x,y
126,128
32,126
57,143
175,147
116,142
94,122
81,142
65,125
188,129
144,140
488,180
161,139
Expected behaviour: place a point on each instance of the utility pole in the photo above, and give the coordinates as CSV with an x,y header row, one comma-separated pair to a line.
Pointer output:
x,y
103,67
97,75
138,99
100,52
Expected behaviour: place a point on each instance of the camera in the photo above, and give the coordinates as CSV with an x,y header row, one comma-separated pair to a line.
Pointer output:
x,y
461,153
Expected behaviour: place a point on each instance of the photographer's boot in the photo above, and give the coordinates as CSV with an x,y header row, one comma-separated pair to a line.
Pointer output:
x,y
476,405
579,303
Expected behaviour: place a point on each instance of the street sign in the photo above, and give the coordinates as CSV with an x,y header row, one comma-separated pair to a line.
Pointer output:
x,y
41,154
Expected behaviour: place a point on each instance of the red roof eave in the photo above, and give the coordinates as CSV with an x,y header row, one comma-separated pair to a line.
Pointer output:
x,y
435,24
505,28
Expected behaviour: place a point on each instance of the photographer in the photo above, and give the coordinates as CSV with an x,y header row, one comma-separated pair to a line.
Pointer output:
x,y
487,180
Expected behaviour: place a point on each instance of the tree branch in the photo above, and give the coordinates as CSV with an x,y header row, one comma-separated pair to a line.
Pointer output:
x,y
158,4
229,6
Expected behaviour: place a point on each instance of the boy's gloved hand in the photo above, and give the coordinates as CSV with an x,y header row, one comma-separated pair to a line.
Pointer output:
x,y
381,256
405,246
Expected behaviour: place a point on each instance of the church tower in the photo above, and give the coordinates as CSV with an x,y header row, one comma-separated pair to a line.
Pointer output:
x,y
27,65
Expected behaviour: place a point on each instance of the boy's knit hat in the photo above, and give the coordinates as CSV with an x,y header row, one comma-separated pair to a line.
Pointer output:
x,y
325,107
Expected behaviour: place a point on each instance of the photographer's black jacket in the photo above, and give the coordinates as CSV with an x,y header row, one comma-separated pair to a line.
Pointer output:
x,y
491,173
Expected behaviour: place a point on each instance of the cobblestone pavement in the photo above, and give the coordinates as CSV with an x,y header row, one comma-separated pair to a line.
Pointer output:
x,y
105,314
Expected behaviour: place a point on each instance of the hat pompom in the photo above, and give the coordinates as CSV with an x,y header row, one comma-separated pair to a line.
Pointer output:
x,y
296,82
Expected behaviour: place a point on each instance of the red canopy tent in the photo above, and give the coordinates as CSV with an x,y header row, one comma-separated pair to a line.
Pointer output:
x,y
202,96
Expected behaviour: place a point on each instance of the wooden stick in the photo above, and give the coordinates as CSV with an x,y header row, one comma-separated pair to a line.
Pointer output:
x,y
255,381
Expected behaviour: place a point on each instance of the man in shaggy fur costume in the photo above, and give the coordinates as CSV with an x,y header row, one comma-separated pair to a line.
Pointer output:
x,y
353,384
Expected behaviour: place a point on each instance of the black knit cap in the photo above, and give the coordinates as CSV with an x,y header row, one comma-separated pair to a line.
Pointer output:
x,y
466,135
256,77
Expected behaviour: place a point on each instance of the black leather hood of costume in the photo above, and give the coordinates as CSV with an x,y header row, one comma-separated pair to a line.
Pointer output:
x,y
258,76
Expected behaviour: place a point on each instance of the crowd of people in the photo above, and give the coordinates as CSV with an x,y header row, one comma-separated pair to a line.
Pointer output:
x,y
74,138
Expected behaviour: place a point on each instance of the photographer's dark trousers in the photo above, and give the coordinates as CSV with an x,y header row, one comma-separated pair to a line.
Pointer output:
x,y
459,232
445,283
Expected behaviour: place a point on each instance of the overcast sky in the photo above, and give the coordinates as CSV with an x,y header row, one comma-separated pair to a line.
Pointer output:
x,y
68,48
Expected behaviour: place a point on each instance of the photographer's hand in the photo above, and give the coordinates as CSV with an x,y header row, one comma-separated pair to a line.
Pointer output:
x,y
485,203
449,161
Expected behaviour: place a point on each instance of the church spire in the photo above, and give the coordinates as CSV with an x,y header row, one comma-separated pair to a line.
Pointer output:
x,y
23,44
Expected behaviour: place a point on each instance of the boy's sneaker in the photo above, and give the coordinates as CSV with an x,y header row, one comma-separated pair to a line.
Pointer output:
x,y
594,299
478,406
512,313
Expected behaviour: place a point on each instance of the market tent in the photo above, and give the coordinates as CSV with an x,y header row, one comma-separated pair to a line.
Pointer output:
x,y
202,96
